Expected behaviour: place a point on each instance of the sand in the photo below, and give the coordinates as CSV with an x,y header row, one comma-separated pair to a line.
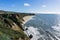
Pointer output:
x,y
26,19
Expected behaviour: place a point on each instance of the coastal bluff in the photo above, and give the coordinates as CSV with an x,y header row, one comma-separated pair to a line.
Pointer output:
x,y
11,25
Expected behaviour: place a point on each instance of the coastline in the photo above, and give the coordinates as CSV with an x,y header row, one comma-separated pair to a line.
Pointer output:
x,y
26,19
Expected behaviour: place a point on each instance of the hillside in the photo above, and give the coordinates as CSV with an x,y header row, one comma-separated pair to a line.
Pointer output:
x,y
11,25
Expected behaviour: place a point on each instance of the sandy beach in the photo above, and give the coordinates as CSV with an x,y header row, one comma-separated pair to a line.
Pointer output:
x,y
26,19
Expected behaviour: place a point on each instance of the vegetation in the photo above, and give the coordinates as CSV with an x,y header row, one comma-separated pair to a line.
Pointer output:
x,y
11,26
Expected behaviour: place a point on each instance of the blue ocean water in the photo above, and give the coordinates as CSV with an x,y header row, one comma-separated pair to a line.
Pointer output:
x,y
47,25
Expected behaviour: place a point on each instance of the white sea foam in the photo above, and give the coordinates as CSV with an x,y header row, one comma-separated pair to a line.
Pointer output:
x,y
31,30
56,28
34,32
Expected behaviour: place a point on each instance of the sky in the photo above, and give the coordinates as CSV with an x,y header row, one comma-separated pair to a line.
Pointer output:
x,y
31,6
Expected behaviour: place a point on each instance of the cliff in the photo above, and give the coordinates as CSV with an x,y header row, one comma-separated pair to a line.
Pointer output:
x,y
11,25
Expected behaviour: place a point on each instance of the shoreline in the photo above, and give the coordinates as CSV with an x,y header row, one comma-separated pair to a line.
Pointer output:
x,y
26,19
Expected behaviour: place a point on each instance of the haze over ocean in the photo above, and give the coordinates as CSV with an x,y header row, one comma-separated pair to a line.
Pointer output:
x,y
45,24
31,6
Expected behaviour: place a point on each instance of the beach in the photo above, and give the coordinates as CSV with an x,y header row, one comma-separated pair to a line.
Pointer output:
x,y
26,19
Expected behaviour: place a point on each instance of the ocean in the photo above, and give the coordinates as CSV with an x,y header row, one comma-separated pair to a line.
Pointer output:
x,y
44,27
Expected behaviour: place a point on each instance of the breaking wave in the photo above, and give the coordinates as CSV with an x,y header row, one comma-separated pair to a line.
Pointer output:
x,y
42,29
34,32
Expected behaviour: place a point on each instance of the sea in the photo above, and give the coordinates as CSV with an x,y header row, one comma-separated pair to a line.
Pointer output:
x,y
44,27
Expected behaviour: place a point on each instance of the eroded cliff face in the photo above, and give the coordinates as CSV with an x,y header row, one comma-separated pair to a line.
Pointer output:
x,y
11,26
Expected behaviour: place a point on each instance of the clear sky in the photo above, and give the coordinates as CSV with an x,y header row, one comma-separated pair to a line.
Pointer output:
x,y
36,6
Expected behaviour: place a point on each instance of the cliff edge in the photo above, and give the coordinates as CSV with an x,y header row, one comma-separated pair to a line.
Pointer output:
x,y
11,25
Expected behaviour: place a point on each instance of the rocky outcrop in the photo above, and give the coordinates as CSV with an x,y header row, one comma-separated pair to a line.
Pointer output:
x,y
11,25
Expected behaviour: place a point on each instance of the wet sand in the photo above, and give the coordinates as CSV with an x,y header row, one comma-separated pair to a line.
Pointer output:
x,y
26,19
